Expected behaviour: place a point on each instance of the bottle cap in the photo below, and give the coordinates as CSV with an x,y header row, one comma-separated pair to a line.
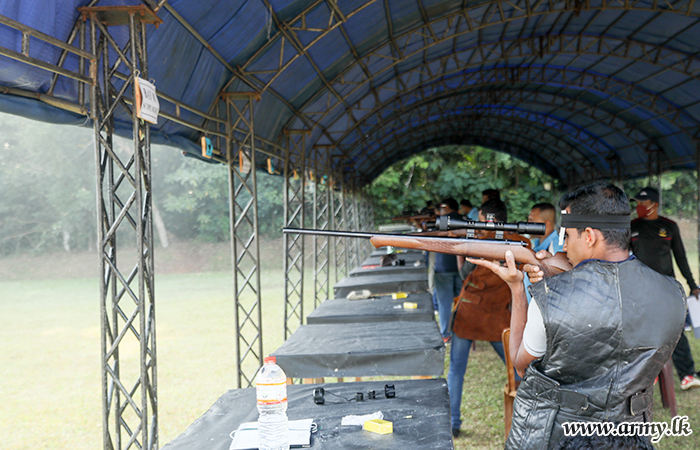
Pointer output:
x,y
270,359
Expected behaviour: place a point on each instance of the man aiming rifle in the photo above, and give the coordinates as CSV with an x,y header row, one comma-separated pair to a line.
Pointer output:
x,y
594,338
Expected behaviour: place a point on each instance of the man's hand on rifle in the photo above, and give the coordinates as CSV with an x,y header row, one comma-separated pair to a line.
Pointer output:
x,y
508,273
534,272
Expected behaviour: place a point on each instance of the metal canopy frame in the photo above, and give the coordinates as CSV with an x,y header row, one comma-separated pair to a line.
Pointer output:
x,y
124,210
245,238
321,221
465,37
442,74
295,175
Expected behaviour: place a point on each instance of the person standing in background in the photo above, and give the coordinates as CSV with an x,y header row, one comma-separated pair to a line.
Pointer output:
x,y
468,211
654,238
490,194
481,312
447,280
547,214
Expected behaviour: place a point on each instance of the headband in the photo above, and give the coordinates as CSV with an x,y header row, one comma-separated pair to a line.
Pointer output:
x,y
594,221
599,221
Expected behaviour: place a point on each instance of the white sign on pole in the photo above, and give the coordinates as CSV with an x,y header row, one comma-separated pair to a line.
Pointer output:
x,y
147,105
244,163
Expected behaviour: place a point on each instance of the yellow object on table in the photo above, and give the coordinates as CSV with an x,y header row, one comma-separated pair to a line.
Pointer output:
x,y
379,426
410,305
399,295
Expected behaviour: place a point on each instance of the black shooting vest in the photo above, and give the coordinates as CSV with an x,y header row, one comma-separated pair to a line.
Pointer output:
x,y
610,329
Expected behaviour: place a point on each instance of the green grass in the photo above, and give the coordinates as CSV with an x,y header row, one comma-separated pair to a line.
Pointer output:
x,y
50,374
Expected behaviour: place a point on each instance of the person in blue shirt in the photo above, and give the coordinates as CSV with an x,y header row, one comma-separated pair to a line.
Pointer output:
x,y
468,211
547,214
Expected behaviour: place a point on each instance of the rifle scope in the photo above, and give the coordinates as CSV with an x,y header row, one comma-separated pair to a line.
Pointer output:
x,y
445,223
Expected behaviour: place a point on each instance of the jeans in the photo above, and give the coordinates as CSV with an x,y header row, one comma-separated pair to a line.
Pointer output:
x,y
447,287
459,357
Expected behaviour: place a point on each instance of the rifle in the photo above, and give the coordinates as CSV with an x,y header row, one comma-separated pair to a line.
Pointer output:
x,y
492,249
446,226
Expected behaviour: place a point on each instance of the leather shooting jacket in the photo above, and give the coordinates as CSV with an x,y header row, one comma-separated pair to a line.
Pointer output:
x,y
482,310
610,329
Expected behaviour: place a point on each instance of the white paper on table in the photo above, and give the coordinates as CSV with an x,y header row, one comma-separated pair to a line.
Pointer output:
x,y
694,310
246,436
359,420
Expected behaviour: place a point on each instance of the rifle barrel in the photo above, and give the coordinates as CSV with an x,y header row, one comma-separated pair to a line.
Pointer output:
x,y
407,237
352,234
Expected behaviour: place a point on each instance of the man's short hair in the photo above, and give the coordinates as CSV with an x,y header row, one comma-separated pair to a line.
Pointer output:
x,y
497,208
491,194
466,203
601,199
609,442
451,203
547,210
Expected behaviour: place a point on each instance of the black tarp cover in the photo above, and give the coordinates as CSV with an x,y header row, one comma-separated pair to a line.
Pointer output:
x,y
425,401
363,350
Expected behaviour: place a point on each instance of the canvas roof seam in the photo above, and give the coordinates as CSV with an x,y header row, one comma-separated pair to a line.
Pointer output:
x,y
579,38
480,136
446,139
382,106
546,136
465,93
441,18
483,132
509,116
510,119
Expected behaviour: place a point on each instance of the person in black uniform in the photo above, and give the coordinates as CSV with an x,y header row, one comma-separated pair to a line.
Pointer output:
x,y
654,238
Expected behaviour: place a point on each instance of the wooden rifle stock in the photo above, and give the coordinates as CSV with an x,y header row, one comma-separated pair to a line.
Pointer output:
x,y
476,248
491,249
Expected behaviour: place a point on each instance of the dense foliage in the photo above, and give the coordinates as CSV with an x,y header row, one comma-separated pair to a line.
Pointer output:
x,y
463,173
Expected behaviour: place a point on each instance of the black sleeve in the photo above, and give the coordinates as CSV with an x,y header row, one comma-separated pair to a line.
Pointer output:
x,y
467,268
681,260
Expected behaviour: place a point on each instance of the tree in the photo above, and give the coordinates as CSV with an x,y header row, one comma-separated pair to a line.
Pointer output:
x,y
47,183
460,172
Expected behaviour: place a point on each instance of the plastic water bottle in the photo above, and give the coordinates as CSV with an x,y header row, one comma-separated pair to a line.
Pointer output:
x,y
271,390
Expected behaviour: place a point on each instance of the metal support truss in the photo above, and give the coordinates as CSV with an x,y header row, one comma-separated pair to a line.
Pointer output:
x,y
127,303
294,187
352,224
369,221
363,220
321,221
340,245
245,240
